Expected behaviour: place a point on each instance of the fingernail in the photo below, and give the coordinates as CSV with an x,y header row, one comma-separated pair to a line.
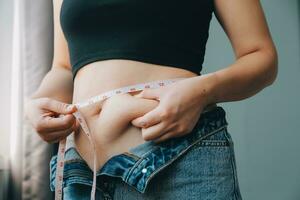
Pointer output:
x,y
143,124
70,107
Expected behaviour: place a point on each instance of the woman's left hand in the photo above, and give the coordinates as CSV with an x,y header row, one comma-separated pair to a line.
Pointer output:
x,y
179,109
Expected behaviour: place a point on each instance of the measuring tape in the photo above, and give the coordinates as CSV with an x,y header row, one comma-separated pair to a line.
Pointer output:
x,y
83,124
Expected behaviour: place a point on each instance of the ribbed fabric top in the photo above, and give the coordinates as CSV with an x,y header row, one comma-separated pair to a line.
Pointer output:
x,y
164,32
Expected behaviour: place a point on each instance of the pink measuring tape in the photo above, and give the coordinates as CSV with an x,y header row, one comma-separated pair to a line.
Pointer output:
x,y
83,124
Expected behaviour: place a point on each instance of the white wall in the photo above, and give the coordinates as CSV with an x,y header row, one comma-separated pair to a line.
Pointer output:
x,y
5,70
6,8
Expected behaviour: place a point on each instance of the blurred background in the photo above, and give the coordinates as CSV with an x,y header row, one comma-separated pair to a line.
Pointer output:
x,y
265,127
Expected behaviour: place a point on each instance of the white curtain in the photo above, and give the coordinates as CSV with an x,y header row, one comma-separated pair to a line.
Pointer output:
x,y
32,58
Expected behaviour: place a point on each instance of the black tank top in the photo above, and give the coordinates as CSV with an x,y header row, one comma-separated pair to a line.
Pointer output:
x,y
164,32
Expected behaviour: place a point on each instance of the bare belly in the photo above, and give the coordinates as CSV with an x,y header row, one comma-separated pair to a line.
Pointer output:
x,y
110,121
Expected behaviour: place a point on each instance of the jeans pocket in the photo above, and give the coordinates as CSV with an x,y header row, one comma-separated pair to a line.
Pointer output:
x,y
217,168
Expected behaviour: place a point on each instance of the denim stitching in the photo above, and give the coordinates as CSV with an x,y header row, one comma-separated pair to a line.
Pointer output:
x,y
211,143
237,195
149,151
135,167
178,155
135,157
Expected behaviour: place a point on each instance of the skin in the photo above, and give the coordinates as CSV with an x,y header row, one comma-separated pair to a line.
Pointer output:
x,y
126,120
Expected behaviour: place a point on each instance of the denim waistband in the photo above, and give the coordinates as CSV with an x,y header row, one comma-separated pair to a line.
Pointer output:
x,y
141,163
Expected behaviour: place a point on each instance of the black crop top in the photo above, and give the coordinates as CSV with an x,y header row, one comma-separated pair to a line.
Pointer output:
x,y
166,32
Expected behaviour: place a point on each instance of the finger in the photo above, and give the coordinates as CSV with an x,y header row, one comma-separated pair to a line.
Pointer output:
x,y
149,93
57,106
165,136
50,124
154,132
149,119
172,133
58,135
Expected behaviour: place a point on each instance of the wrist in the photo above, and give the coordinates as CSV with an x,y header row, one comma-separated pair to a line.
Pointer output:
x,y
206,88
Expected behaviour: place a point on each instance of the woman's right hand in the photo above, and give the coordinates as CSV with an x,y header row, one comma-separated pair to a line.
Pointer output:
x,y
52,119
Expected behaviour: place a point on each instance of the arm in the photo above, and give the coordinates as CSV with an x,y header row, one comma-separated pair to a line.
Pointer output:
x,y
182,103
48,107
256,58
57,83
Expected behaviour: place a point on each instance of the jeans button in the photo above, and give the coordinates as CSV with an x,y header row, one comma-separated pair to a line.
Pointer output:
x,y
144,170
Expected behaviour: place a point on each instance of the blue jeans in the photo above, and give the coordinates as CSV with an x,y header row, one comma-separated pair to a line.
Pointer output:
x,y
199,165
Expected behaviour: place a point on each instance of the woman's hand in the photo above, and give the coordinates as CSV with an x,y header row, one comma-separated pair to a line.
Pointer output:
x,y
181,104
53,120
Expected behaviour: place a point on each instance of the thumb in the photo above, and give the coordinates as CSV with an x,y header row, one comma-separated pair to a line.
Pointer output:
x,y
57,106
149,119
149,94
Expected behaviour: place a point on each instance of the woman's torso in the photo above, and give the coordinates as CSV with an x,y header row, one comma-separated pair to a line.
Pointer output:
x,y
168,33
110,120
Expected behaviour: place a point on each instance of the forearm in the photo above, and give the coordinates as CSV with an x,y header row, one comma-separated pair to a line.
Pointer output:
x,y
244,78
57,84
